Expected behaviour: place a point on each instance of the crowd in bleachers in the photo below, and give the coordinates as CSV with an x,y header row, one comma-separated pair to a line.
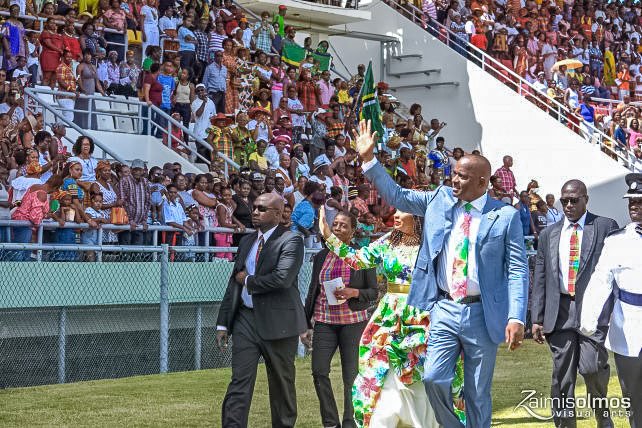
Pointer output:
x,y
248,89
578,53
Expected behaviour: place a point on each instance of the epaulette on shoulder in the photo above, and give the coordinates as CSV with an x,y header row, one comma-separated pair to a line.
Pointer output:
x,y
615,232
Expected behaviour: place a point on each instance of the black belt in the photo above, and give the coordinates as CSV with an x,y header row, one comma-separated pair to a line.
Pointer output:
x,y
465,301
630,298
569,296
244,306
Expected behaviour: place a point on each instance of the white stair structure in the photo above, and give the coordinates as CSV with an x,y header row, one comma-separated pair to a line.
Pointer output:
x,y
117,135
481,111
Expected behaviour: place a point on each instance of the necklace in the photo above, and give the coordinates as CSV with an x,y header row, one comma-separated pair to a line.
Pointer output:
x,y
410,240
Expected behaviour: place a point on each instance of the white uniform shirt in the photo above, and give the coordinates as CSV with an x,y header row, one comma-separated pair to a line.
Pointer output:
x,y
618,262
565,249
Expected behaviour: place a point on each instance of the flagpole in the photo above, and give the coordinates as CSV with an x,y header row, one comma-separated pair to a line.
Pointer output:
x,y
354,110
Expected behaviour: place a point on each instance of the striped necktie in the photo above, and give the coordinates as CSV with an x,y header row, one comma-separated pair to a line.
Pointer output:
x,y
573,260
258,252
460,261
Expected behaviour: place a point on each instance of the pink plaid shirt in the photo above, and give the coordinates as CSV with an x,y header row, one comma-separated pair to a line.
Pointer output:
x,y
334,267
508,179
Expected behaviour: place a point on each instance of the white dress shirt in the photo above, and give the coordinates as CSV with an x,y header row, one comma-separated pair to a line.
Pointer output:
x,y
619,263
250,265
565,249
447,256
250,268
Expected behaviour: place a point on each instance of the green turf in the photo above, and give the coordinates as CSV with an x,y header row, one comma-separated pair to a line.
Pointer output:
x,y
194,398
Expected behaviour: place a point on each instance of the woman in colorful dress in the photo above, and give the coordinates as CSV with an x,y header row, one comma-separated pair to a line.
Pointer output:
x,y
244,74
388,390
232,84
520,57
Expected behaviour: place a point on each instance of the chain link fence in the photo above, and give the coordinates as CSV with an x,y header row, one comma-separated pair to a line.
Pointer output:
x,y
134,311
142,310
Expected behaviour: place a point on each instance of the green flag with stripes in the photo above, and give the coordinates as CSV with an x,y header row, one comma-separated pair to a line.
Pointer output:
x,y
294,55
370,108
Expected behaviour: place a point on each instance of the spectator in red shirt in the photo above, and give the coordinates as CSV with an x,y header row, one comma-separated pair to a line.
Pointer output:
x,y
359,202
307,91
407,162
153,91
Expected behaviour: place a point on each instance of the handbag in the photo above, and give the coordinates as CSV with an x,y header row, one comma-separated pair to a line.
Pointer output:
x,y
119,216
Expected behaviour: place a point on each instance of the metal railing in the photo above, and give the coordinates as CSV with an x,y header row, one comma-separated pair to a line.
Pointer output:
x,y
141,114
173,123
39,245
524,88
33,102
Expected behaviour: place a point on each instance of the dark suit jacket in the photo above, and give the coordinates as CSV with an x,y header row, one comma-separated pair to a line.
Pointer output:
x,y
545,299
278,309
364,280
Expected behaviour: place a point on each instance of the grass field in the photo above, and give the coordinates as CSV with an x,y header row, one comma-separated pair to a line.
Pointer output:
x,y
194,398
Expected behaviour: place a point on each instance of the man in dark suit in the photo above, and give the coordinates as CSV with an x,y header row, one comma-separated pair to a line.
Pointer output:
x,y
566,257
262,309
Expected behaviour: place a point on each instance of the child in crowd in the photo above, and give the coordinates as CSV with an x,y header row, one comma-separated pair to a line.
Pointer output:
x,y
65,213
158,193
365,227
177,137
100,216
194,223
33,52
297,114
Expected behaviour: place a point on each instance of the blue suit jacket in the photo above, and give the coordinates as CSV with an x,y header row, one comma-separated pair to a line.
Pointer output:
x,y
500,251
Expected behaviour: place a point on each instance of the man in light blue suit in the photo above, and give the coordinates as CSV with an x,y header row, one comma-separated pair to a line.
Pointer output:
x,y
472,309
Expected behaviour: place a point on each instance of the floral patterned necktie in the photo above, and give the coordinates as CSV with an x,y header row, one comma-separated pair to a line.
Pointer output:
x,y
460,262
573,260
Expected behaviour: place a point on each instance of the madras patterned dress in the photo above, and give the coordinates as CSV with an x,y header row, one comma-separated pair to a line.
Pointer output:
x,y
396,336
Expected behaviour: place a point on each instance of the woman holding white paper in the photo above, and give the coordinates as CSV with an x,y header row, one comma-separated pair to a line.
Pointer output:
x,y
336,312
388,391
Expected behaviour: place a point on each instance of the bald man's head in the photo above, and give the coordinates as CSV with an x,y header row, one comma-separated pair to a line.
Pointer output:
x,y
267,211
471,177
574,199
576,185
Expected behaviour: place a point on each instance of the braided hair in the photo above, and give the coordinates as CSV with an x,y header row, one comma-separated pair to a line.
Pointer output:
x,y
396,236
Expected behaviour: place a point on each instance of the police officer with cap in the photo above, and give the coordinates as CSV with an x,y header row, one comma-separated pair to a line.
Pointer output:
x,y
619,273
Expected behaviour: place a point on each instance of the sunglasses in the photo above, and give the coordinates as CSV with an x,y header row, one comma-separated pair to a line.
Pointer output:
x,y
565,201
262,208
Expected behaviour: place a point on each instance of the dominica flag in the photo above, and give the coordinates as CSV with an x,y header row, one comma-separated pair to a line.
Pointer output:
x,y
294,54
370,108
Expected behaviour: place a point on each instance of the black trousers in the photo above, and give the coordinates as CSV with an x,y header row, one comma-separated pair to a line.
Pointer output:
x,y
218,98
573,352
629,371
188,58
279,355
326,339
